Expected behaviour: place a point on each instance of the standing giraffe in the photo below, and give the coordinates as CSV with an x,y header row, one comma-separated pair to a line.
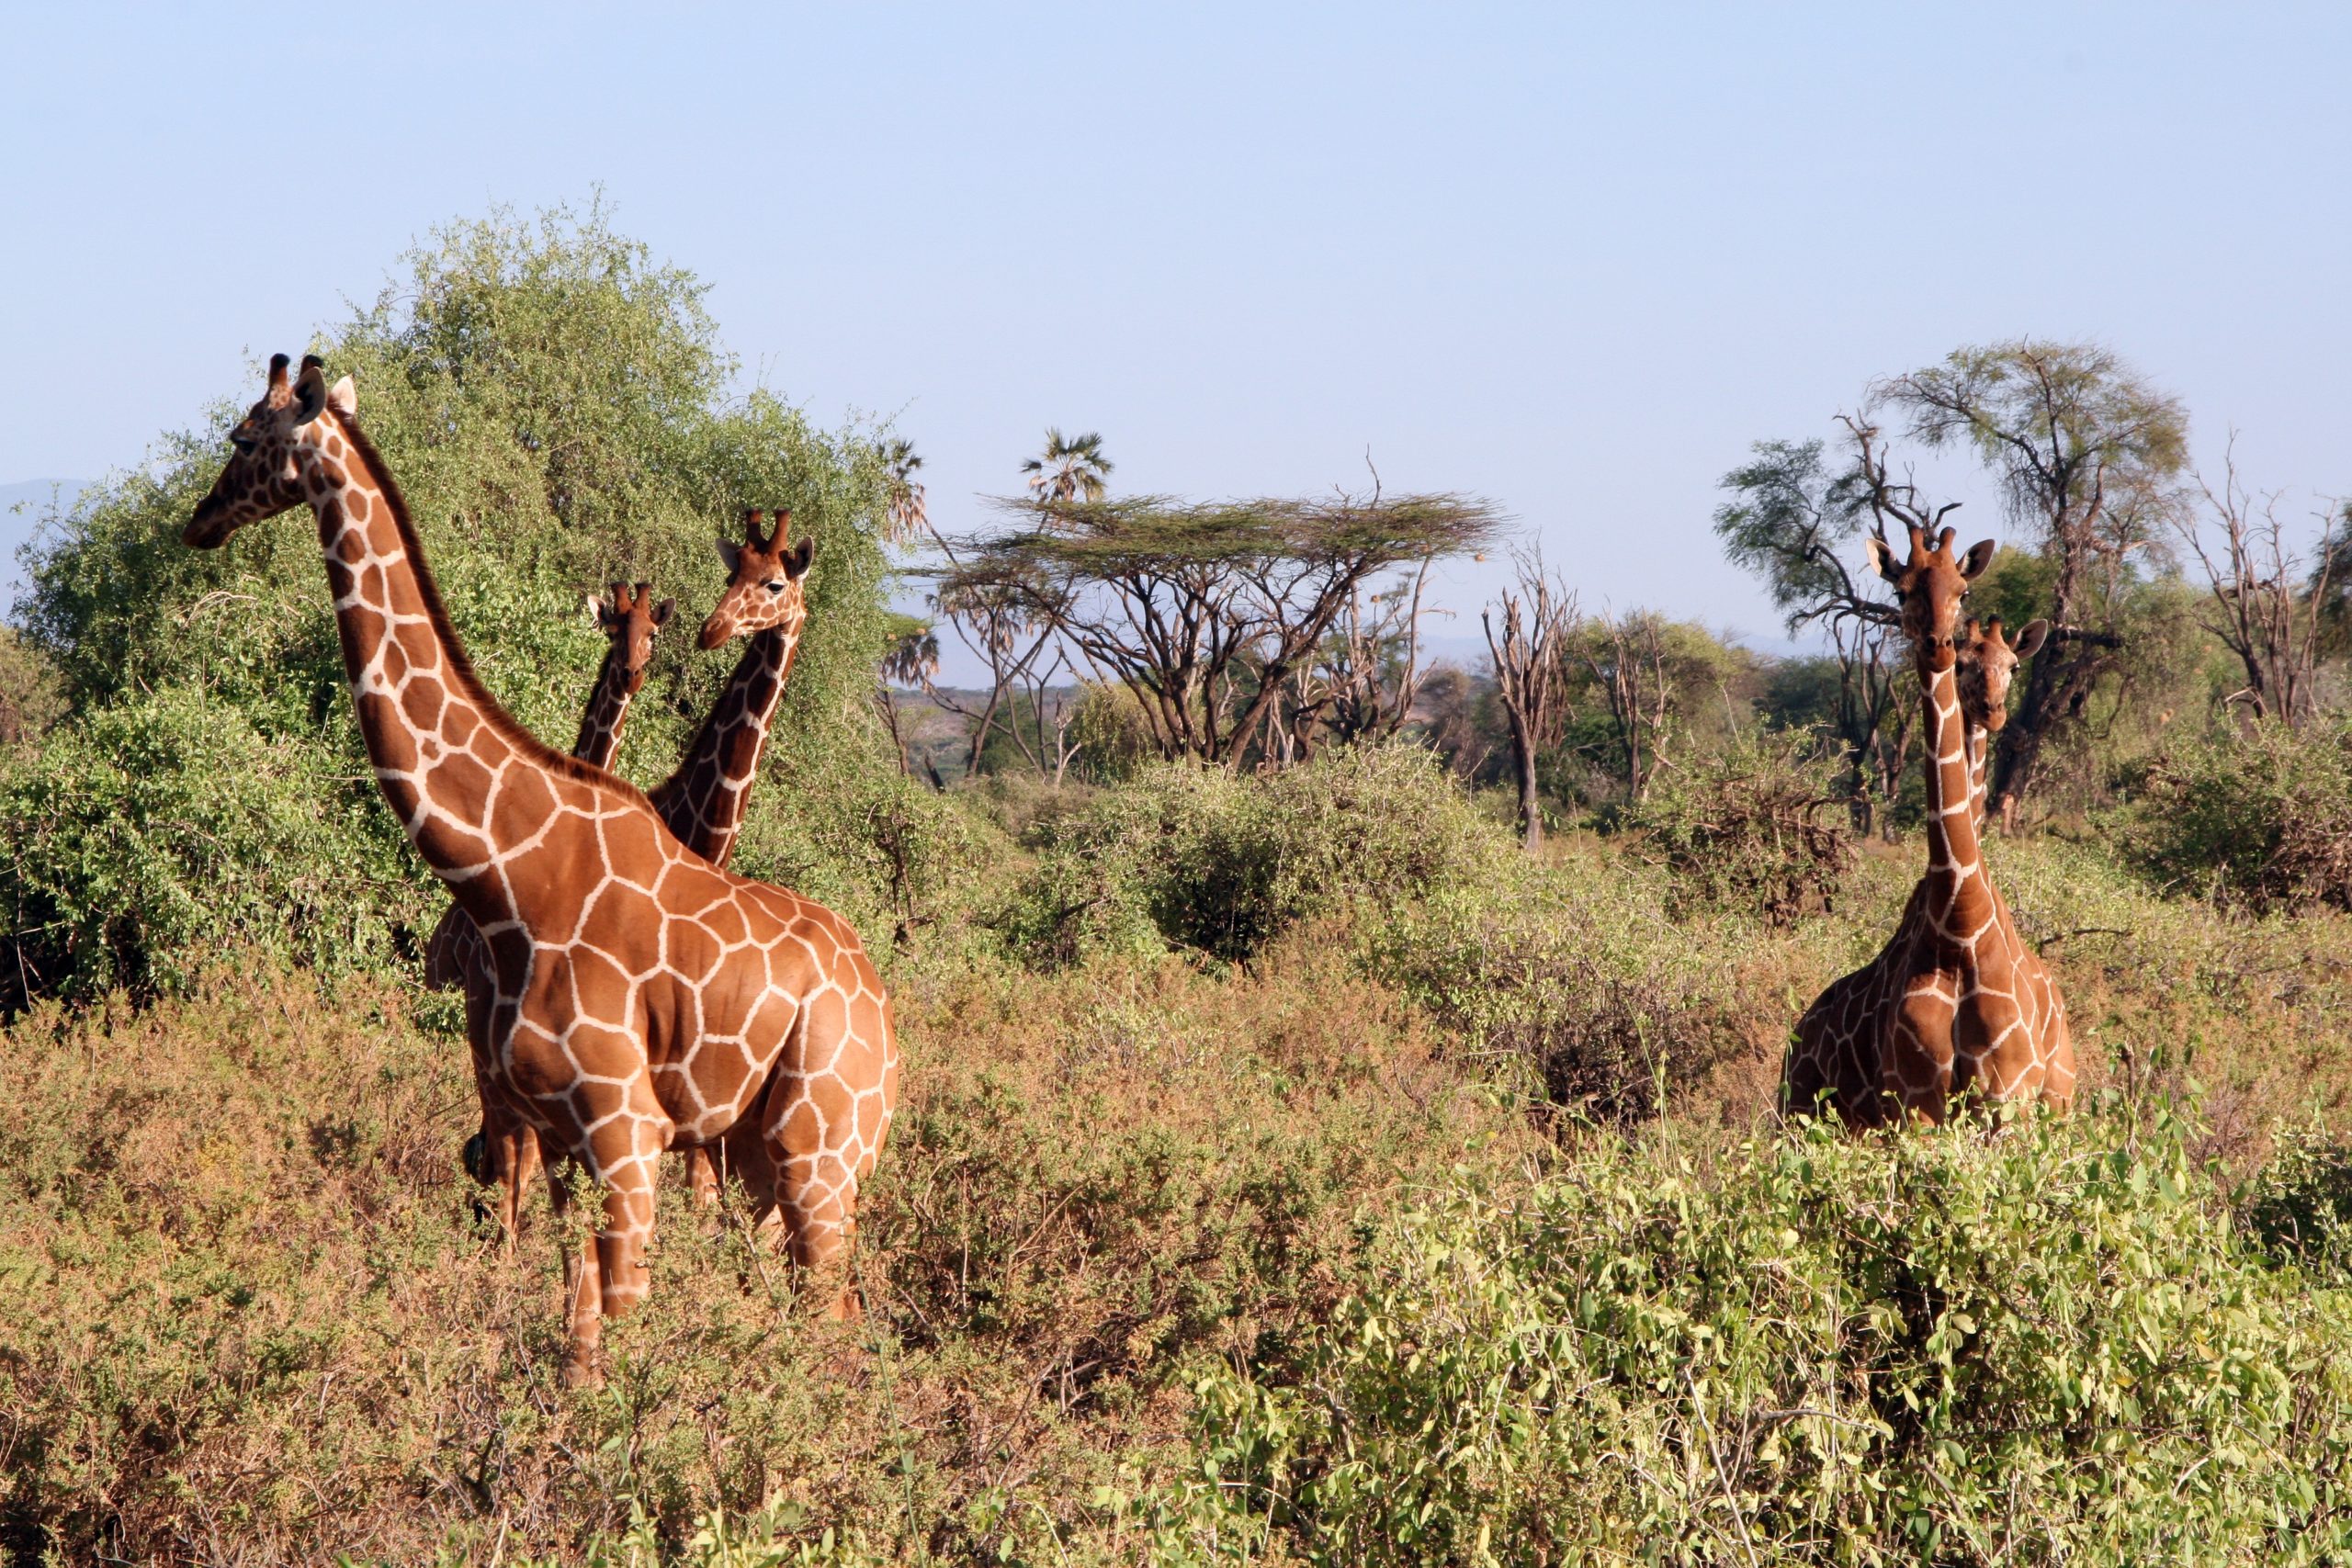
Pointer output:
x,y
505,1153
1955,1003
703,802
645,997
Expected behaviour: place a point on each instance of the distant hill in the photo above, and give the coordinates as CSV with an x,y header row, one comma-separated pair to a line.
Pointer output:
x,y
22,506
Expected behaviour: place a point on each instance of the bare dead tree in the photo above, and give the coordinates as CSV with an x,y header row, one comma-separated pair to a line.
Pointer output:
x,y
2256,610
1625,656
1530,675
1366,676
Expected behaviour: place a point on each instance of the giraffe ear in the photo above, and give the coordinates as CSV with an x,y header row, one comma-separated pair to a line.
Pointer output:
x,y
310,394
1881,559
344,398
796,561
729,552
1979,557
663,611
2030,640
594,608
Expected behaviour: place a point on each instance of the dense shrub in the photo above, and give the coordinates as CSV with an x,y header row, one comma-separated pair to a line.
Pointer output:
x,y
2300,1204
1753,826
2261,819
164,831
1221,863
2050,1347
1568,983
560,413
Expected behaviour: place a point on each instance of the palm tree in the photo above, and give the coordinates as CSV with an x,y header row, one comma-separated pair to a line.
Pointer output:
x,y
1073,469
907,516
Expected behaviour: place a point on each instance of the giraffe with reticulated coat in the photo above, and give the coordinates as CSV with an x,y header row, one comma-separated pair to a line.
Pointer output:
x,y
1956,1004
645,997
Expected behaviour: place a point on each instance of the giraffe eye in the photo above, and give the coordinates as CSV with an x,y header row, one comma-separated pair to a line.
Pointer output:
x,y
242,443
775,587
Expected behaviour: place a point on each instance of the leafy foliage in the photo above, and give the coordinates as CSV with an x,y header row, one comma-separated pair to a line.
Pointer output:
x,y
556,406
1221,865
1743,828
2262,819
2055,1346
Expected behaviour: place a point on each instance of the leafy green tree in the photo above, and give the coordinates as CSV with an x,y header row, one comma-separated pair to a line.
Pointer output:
x,y
1796,522
2085,452
560,412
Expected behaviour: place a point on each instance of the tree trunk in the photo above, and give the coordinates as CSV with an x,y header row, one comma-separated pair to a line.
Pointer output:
x,y
1531,809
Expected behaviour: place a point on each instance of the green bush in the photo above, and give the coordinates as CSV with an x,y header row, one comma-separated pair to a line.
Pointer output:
x,y
560,413
164,830
2300,1204
1571,982
1221,863
1744,828
2261,819
2053,1346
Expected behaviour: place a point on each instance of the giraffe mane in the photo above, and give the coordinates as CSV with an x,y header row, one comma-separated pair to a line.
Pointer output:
x,y
461,668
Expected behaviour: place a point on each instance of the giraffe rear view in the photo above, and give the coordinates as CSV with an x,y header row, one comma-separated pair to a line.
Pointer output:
x,y
644,998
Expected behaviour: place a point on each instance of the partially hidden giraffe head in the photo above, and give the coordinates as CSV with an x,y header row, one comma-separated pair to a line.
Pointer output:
x,y
763,582
264,476
1928,588
631,618
1986,660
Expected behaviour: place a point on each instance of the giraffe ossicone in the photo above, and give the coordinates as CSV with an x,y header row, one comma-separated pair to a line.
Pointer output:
x,y
1956,1004
644,997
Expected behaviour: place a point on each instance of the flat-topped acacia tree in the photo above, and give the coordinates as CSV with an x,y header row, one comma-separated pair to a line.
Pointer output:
x,y
1210,614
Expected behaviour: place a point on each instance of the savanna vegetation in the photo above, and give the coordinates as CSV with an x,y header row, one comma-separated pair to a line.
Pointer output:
x,y
1337,1113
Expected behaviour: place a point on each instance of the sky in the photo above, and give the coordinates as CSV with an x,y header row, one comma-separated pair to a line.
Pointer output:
x,y
1573,259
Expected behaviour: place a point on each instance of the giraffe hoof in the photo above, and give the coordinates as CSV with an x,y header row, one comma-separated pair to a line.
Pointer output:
x,y
476,1158
582,1369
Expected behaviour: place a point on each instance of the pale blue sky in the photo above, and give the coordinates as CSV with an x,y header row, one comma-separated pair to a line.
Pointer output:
x,y
1573,259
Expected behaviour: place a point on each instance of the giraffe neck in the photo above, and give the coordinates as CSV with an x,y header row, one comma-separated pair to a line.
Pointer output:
x,y
1956,898
468,784
703,802
1977,738
607,710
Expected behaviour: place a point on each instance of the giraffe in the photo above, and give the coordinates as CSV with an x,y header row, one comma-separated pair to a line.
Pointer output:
x,y
644,998
701,803
1955,1002
504,1153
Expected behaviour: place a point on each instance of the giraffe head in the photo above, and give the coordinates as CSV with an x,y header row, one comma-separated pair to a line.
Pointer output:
x,y
763,582
1928,588
1987,659
264,476
631,619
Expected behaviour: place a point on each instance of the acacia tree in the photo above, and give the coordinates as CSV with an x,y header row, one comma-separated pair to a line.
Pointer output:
x,y
1208,613
1794,523
1367,674
2085,451
1531,676
997,619
2256,610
